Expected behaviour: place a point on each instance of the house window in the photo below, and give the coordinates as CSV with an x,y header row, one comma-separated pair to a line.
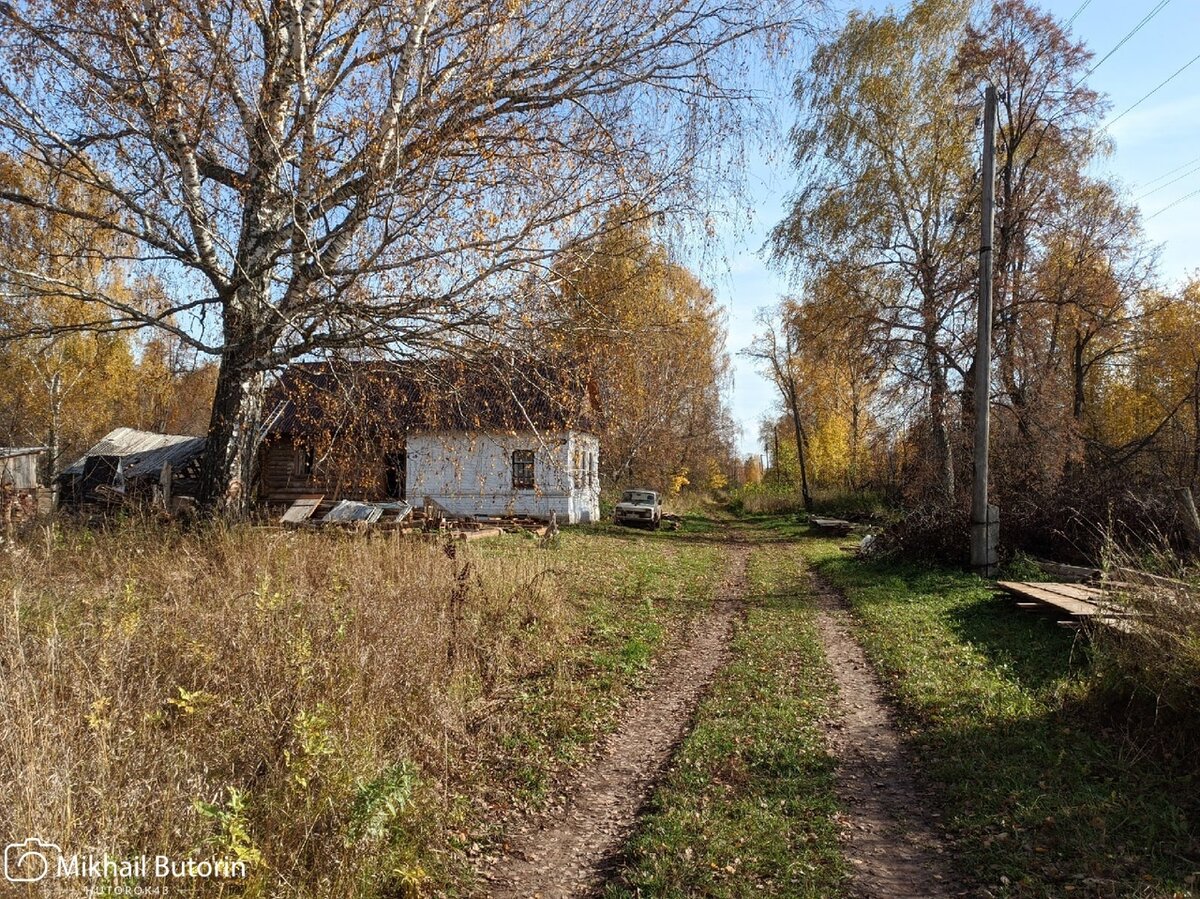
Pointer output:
x,y
302,461
522,464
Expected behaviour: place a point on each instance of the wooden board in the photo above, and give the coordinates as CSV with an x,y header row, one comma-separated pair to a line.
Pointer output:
x,y
833,525
1154,580
1074,599
1070,572
480,534
301,510
1074,591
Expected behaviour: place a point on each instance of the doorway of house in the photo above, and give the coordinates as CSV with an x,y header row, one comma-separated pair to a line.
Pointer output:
x,y
395,467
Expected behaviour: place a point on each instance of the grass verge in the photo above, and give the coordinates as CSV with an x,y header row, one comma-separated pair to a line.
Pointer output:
x,y
345,716
747,806
1051,784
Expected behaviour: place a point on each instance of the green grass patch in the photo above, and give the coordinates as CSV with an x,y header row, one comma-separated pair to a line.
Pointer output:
x,y
1049,787
632,594
747,806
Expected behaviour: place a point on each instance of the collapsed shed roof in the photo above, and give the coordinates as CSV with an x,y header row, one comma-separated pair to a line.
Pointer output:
x,y
449,395
142,453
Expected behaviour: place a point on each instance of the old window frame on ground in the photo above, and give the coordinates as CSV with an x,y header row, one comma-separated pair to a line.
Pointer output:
x,y
523,477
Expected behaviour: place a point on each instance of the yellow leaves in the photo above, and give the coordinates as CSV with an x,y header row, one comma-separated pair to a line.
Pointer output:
x,y
649,335
98,714
1128,402
715,478
190,702
679,480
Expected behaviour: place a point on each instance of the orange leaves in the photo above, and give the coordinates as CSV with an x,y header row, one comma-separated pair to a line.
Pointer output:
x,y
648,334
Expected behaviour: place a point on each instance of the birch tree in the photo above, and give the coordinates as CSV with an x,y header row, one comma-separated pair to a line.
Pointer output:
x,y
885,164
776,347
316,176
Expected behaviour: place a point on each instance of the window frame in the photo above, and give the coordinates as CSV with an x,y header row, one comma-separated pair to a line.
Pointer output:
x,y
303,461
524,473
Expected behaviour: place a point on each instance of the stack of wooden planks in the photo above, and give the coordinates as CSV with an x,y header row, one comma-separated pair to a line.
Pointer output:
x,y
1077,602
315,511
836,526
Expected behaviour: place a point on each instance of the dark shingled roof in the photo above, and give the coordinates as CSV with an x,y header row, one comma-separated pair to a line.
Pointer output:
x,y
448,395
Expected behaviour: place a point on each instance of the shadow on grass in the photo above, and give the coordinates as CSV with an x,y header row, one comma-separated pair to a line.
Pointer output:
x,y
1029,647
1051,783
1048,804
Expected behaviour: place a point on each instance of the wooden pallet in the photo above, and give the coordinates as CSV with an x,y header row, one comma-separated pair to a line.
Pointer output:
x,y
1076,600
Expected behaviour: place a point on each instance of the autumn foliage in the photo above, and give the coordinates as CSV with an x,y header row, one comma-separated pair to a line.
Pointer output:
x,y
1095,403
649,338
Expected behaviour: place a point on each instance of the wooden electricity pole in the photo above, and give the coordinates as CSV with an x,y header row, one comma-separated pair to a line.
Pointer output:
x,y
985,518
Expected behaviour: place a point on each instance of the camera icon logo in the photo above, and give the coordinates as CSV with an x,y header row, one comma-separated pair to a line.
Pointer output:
x,y
29,860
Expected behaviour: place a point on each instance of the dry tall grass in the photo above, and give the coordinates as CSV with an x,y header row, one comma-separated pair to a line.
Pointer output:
x,y
1158,650
300,702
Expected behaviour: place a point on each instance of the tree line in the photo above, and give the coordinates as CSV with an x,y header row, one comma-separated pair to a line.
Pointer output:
x,y
1094,390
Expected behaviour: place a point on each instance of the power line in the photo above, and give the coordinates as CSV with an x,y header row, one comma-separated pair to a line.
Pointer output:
x,y
1075,15
1170,173
1173,204
1169,183
1121,43
1167,81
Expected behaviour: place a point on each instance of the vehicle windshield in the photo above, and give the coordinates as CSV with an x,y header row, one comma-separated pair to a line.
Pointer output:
x,y
637,496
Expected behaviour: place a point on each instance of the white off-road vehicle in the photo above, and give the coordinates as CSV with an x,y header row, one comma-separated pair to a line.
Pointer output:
x,y
639,507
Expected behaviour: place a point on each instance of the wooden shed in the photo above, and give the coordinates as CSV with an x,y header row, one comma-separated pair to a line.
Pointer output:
x,y
129,462
19,466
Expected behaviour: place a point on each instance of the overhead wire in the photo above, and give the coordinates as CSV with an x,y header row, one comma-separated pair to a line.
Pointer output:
x,y
1186,174
1173,204
1121,43
1075,15
1145,20
1168,174
1151,93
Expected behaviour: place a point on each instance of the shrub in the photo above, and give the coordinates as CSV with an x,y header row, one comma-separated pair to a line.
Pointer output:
x,y
934,534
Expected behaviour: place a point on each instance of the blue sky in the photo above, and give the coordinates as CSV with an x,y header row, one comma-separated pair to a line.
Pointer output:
x,y
1161,134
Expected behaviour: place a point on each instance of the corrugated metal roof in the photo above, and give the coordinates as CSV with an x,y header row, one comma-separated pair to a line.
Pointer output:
x,y
142,453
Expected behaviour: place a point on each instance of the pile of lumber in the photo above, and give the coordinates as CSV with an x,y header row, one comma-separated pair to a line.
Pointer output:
x,y
1081,594
1071,603
836,527
317,512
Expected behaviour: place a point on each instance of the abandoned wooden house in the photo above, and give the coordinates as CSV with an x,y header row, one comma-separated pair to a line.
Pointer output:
x,y
473,441
129,464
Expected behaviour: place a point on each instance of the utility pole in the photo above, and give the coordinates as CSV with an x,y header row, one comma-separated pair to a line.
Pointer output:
x,y
985,518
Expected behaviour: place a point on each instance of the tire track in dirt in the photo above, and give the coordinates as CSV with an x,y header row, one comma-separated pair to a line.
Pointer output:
x,y
888,837
567,853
